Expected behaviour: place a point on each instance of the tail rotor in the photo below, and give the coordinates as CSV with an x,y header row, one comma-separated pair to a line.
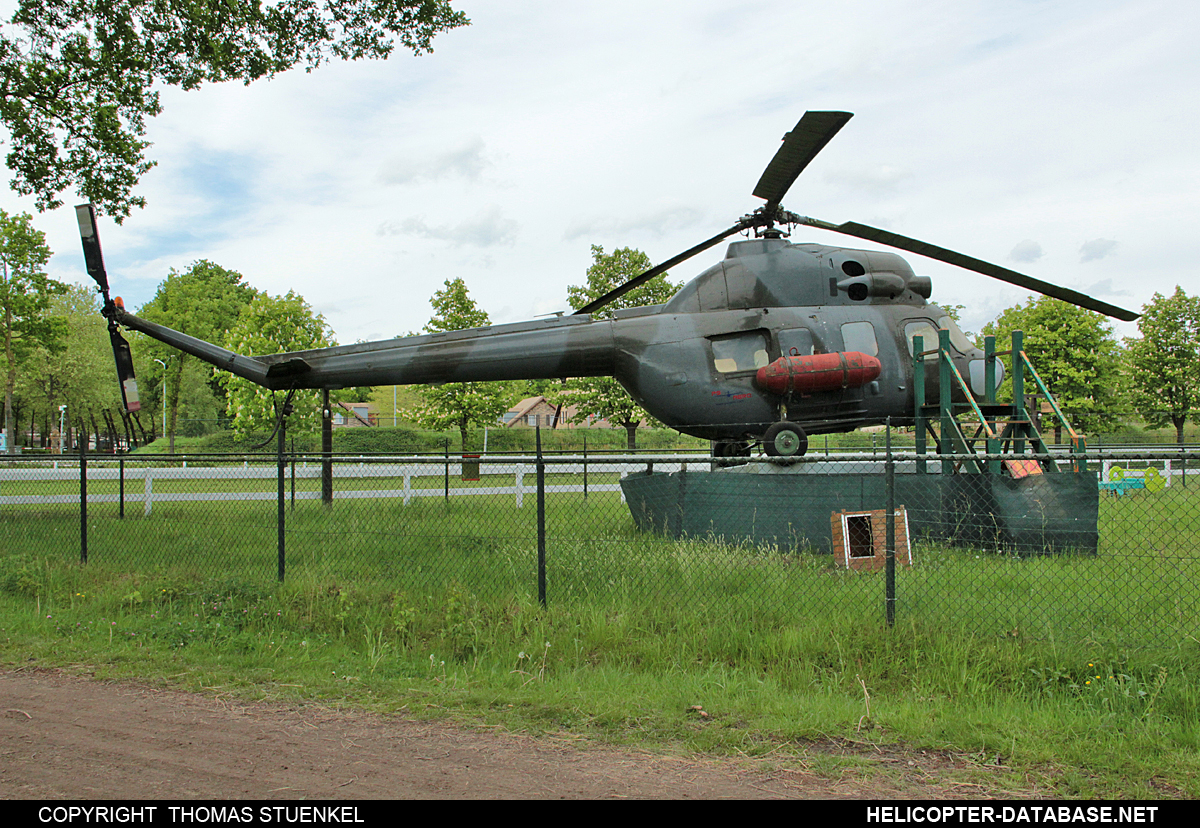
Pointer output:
x,y
94,258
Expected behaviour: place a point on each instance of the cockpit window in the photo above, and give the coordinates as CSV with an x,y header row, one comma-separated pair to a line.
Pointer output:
x,y
925,329
957,338
929,337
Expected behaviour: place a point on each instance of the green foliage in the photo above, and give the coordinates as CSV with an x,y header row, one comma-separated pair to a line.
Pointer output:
x,y
269,325
403,397
203,301
1075,353
19,576
604,397
1165,362
80,77
25,293
458,405
79,371
402,440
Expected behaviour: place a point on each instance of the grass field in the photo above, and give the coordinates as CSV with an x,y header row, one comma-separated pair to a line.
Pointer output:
x,y
1079,672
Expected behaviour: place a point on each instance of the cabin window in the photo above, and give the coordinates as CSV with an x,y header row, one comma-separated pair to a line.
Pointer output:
x,y
743,352
796,342
860,336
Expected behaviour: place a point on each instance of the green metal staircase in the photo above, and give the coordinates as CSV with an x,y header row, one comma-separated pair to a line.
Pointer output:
x,y
994,428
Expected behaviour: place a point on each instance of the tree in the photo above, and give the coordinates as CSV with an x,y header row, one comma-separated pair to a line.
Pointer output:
x,y
78,78
271,325
25,293
1075,353
78,371
458,404
205,301
1165,361
604,397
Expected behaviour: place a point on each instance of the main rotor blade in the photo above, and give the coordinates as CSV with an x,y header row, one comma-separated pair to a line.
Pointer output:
x,y
931,251
800,146
637,281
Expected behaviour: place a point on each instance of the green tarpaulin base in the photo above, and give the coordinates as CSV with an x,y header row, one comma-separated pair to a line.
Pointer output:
x,y
1039,514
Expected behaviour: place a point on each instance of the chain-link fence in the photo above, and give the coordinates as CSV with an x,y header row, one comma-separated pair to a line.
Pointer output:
x,y
1103,547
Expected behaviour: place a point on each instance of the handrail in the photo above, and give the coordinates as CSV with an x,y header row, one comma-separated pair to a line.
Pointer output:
x,y
969,396
1049,397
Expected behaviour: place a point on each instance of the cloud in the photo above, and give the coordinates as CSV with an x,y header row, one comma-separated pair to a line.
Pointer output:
x,y
1105,288
1096,249
1026,251
659,223
486,229
879,179
467,161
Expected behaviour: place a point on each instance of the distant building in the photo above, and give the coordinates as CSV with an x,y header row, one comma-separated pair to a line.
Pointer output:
x,y
532,412
539,411
353,415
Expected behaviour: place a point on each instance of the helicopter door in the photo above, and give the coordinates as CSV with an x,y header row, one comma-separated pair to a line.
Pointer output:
x,y
860,337
795,342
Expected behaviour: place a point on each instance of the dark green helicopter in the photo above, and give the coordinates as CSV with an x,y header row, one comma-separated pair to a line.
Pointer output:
x,y
778,341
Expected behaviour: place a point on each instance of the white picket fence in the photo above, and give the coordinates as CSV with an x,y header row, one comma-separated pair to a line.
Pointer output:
x,y
523,475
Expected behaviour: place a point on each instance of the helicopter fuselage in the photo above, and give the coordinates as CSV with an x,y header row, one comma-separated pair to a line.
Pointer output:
x,y
693,362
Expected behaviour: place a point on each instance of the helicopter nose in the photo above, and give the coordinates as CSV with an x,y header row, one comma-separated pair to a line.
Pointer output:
x,y
976,372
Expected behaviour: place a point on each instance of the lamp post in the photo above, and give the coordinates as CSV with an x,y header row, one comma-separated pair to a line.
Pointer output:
x,y
164,393
62,414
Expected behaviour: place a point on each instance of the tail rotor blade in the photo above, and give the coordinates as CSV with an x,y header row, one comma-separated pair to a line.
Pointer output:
x,y
94,259
92,255
129,392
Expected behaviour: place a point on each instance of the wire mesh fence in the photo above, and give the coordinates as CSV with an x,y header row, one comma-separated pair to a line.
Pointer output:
x,y
1103,547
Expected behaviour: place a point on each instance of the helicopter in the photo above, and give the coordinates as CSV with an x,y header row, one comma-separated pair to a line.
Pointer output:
x,y
778,341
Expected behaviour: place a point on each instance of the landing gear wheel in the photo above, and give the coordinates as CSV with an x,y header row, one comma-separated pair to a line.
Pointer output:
x,y
785,440
731,452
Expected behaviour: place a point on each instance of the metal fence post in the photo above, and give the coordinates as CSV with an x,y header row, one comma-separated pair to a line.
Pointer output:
x,y
890,529
446,479
293,463
83,501
918,402
326,449
121,494
280,502
541,518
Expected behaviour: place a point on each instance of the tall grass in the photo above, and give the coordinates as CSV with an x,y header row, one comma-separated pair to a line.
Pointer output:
x,y
1080,669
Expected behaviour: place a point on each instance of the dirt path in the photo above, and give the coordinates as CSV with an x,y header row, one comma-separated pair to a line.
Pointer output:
x,y
68,737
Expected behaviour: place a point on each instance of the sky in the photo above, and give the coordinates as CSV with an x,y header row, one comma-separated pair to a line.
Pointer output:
x,y
1057,139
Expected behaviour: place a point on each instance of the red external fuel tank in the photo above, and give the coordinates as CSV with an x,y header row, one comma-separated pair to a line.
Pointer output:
x,y
815,373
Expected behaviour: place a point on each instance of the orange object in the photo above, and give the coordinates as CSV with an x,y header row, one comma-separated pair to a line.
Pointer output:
x,y
815,373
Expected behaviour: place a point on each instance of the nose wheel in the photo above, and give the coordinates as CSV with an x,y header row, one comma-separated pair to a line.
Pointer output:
x,y
785,440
